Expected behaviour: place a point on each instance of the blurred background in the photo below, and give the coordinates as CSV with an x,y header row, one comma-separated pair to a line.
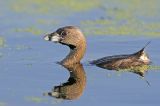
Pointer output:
x,y
96,17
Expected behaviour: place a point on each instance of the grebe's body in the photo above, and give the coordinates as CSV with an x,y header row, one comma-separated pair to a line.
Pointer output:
x,y
118,62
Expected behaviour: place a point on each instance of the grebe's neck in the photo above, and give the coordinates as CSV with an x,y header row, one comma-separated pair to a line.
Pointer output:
x,y
75,55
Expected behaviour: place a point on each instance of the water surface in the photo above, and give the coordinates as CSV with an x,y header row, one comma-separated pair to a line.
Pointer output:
x,y
29,69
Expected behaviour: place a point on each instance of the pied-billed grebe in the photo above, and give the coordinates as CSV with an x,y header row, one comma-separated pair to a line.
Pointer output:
x,y
74,39
126,61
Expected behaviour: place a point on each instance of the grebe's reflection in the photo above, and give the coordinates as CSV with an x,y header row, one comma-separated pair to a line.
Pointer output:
x,y
73,88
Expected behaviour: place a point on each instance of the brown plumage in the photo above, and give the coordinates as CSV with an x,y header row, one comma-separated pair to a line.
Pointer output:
x,y
74,39
127,61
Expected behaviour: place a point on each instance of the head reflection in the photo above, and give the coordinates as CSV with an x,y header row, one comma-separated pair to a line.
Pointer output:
x,y
73,87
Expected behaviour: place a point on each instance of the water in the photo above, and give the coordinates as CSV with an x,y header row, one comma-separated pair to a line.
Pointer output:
x,y
31,70
28,63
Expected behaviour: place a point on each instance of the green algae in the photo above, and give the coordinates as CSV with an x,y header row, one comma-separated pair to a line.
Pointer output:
x,y
1,55
109,27
47,22
36,99
2,42
140,70
56,6
3,104
124,9
154,68
122,17
125,17
33,30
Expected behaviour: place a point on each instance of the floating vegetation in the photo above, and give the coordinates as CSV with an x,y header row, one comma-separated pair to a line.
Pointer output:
x,y
1,55
2,42
109,27
123,17
140,70
36,99
47,22
137,17
56,6
2,104
32,30
29,64
154,68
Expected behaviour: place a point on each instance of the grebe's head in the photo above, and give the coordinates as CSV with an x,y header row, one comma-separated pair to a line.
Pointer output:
x,y
68,35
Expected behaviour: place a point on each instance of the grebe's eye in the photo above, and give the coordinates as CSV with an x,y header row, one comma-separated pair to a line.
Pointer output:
x,y
63,33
